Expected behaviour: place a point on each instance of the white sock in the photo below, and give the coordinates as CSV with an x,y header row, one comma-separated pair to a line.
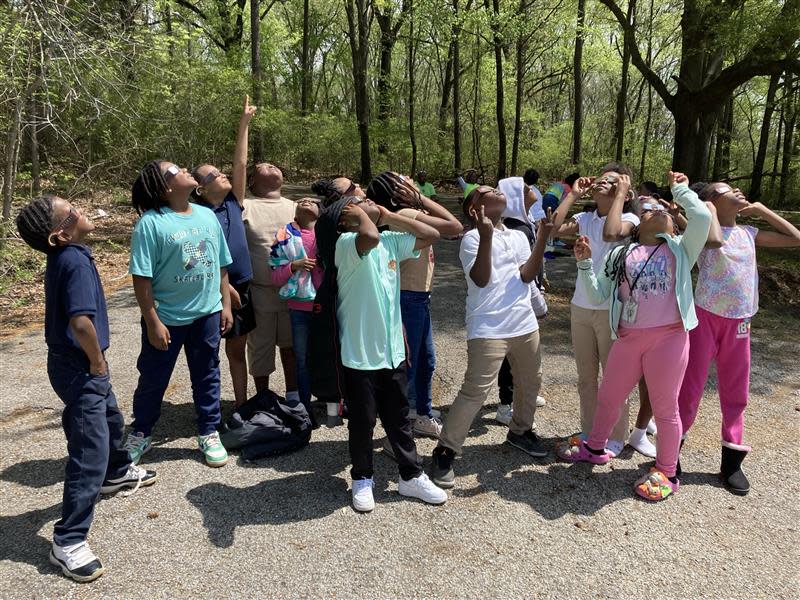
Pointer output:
x,y
639,441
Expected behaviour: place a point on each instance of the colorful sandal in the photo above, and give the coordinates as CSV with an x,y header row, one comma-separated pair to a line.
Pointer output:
x,y
576,450
655,486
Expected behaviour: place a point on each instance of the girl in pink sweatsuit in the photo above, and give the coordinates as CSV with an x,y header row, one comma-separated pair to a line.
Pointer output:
x,y
726,299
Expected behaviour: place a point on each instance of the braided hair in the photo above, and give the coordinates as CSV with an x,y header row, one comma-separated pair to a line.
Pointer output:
x,y
616,270
35,223
382,188
325,189
149,188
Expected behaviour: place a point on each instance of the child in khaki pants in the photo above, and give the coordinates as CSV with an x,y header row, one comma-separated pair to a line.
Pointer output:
x,y
499,267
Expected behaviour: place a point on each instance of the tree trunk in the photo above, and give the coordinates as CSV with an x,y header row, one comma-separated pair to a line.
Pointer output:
x,y
694,128
12,153
778,146
36,177
447,87
722,156
499,93
456,91
520,76
358,32
763,141
305,82
790,115
411,89
622,96
255,69
578,83
649,118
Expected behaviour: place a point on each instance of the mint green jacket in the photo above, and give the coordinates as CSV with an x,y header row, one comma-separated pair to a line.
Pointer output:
x,y
686,249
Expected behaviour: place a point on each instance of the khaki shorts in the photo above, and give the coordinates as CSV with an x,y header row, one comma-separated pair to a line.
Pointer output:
x,y
272,329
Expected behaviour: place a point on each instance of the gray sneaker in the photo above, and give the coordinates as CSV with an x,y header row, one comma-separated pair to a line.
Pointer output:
x,y
442,468
528,442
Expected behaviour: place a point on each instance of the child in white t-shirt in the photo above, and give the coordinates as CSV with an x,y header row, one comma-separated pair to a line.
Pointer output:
x,y
591,334
499,267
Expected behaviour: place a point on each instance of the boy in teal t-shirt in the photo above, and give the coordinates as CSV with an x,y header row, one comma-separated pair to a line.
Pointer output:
x,y
178,260
367,265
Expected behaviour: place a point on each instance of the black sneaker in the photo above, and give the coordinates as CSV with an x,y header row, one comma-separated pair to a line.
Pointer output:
x,y
528,442
135,477
442,468
77,562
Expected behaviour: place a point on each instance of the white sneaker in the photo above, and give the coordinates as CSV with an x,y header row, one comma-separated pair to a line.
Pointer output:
x,y
362,495
614,447
651,427
540,401
504,414
428,427
423,488
638,441
77,561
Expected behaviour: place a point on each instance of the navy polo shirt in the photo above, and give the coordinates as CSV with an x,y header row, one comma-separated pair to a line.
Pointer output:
x,y
229,214
72,288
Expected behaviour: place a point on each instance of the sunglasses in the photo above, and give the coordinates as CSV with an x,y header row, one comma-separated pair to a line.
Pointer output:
x,y
171,171
650,207
316,201
209,177
69,221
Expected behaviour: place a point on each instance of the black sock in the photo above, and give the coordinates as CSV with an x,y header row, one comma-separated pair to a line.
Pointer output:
x,y
673,479
593,451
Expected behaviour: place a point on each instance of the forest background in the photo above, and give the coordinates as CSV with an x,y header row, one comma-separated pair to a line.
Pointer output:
x,y
90,90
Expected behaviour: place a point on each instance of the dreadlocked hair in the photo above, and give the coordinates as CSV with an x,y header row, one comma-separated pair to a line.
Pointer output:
x,y
149,188
325,189
616,270
382,188
35,223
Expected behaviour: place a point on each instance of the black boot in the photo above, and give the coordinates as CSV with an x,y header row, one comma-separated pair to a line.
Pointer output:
x,y
731,471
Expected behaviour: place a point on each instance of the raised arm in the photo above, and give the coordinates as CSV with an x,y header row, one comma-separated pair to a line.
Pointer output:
x,y
433,213
614,230
425,234
367,235
598,288
714,239
533,265
481,271
560,224
239,177
786,234
698,216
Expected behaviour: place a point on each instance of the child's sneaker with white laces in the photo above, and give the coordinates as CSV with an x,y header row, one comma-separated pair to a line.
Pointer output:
x,y
77,561
213,450
135,477
137,444
428,427
362,495
504,414
423,488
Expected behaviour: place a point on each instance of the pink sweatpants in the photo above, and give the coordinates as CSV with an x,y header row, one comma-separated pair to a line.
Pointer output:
x,y
660,354
726,341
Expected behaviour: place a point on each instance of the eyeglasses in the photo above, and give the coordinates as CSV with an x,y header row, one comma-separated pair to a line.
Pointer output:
x,y
171,171
209,177
69,221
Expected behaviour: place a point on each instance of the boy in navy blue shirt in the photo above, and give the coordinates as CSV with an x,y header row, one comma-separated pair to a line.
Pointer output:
x,y
76,332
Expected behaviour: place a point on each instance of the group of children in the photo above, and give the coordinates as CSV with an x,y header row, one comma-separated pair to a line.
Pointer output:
x,y
341,284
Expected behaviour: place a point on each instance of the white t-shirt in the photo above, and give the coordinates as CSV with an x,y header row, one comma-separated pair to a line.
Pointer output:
x,y
502,309
591,225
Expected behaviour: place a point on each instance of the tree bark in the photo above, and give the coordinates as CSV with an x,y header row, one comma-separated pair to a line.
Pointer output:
x,y
790,116
763,140
649,118
12,153
255,70
518,92
722,156
499,92
36,177
778,146
447,88
411,89
577,125
305,67
622,96
456,90
358,33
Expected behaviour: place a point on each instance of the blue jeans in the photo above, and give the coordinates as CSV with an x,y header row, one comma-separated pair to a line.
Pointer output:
x,y
301,328
200,342
415,309
94,427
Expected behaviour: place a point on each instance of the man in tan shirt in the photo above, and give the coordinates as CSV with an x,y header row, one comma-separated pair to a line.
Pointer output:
x,y
263,215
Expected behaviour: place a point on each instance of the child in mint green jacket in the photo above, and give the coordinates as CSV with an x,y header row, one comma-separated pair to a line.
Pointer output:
x,y
652,310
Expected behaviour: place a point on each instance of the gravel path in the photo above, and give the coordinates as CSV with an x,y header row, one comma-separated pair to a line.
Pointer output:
x,y
513,527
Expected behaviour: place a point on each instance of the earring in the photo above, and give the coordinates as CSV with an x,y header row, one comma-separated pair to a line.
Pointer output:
x,y
197,191
51,241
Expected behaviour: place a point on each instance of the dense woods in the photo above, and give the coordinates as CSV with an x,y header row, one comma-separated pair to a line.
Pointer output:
x,y
91,89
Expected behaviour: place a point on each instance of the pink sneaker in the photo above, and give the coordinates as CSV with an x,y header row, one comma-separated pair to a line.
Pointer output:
x,y
576,450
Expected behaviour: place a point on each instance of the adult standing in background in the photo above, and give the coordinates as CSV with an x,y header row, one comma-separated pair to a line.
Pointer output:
x,y
425,187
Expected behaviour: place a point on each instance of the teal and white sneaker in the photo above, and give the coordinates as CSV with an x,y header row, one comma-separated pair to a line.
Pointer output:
x,y
137,444
213,450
